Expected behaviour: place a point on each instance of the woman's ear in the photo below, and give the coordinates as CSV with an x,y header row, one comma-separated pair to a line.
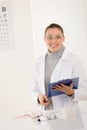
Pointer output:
x,y
44,38
63,38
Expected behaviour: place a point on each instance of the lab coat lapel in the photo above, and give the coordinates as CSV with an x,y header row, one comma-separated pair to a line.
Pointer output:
x,y
57,73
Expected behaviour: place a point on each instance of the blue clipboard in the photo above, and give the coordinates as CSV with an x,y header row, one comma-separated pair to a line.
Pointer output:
x,y
67,82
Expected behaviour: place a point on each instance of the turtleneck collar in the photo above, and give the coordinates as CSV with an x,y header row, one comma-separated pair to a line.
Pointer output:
x,y
56,54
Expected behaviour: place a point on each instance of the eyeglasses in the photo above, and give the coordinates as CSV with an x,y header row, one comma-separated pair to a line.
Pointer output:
x,y
56,37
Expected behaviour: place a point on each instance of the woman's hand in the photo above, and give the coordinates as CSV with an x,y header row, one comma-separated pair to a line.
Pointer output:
x,y
43,100
63,88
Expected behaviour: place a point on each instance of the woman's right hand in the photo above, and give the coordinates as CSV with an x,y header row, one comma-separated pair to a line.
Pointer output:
x,y
43,100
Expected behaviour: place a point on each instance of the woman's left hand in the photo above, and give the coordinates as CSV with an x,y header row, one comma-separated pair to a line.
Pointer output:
x,y
64,88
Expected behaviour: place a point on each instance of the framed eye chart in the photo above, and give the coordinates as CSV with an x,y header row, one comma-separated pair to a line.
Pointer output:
x,y
6,26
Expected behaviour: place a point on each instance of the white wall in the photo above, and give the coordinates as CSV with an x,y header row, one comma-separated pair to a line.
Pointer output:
x,y
16,65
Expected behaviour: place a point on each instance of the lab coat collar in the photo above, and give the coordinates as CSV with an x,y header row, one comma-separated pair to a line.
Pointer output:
x,y
65,56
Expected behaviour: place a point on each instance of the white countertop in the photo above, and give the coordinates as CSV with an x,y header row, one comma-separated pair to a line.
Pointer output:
x,y
9,122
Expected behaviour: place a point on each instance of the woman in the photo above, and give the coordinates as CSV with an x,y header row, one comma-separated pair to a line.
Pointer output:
x,y
57,64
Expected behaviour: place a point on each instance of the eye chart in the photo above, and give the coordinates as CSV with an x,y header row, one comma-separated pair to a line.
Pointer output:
x,y
6,26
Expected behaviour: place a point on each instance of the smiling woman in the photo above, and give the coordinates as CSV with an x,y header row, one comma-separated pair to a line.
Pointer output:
x,y
57,64
54,37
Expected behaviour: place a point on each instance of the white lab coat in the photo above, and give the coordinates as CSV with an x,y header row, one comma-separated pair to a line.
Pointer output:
x,y
69,66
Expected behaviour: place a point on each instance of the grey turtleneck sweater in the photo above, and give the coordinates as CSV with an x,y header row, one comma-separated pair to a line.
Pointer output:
x,y
51,60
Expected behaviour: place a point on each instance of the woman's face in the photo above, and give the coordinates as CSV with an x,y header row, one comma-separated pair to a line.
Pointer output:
x,y
54,39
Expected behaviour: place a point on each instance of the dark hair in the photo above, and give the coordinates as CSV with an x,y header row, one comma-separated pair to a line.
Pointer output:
x,y
54,25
